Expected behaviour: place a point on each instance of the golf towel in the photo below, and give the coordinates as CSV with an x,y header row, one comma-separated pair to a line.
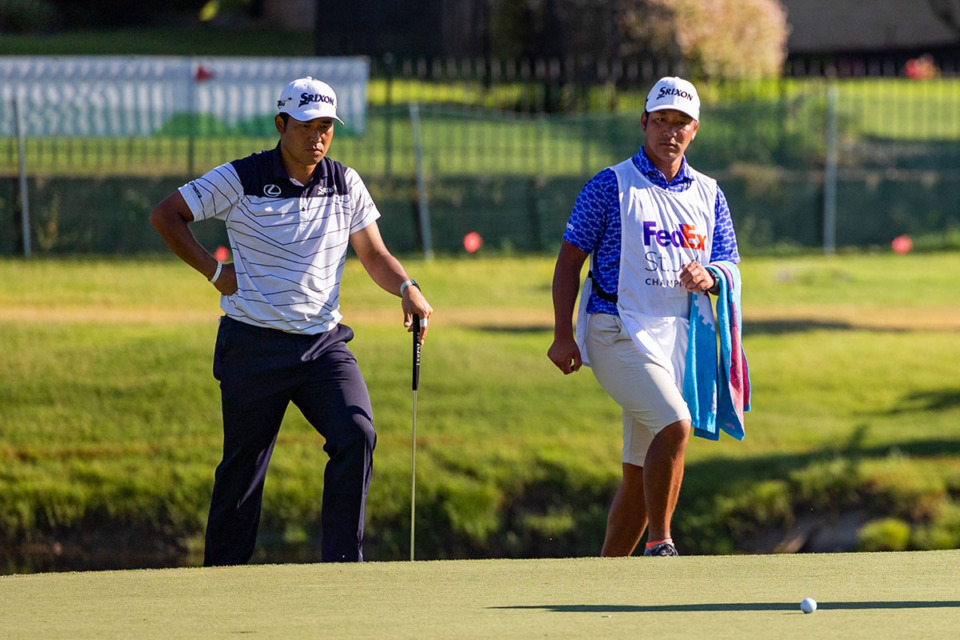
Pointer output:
x,y
717,393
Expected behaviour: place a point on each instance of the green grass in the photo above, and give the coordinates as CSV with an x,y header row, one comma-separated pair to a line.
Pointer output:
x,y
901,109
867,595
109,415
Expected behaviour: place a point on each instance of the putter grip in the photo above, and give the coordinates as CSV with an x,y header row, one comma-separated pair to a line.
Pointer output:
x,y
416,352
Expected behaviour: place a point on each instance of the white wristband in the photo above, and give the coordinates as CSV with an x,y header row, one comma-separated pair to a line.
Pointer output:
x,y
216,274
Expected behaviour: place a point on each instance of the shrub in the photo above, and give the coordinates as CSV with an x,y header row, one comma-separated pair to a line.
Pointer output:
x,y
830,485
933,537
904,490
755,506
889,534
942,533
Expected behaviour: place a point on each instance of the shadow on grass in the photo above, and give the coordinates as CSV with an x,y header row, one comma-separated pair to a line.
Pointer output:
x,y
533,328
738,606
778,465
782,327
921,401
750,327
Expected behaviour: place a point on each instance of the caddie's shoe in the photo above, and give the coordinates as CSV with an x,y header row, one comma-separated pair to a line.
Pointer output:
x,y
665,548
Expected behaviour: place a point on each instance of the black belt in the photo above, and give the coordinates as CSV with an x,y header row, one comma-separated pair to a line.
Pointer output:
x,y
603,295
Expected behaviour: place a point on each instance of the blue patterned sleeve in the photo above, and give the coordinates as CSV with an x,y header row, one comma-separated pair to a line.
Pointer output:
x,y
588,220
724,238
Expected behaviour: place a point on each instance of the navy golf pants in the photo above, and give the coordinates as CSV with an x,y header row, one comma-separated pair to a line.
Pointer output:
x,y
261,371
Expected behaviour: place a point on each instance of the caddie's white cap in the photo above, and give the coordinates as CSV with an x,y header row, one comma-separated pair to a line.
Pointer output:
x,y
674,93
307,99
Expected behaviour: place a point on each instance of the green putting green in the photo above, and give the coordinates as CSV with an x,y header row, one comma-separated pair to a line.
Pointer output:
x,y
863,595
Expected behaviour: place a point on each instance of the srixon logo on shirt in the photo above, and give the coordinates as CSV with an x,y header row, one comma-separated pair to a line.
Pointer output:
x,y
685,236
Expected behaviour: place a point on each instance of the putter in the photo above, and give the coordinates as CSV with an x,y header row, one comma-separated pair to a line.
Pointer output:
x,y
413,439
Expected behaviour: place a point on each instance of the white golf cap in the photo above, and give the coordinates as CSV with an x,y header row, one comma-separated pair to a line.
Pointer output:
x,y
308,99
674,93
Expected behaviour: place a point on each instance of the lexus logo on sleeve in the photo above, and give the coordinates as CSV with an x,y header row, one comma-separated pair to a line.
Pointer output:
x,y
271,190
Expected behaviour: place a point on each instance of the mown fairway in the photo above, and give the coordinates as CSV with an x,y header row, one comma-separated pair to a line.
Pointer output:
x,y
109,415
892,595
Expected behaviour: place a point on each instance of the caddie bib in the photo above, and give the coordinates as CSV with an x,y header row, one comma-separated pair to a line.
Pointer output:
x,y
661,232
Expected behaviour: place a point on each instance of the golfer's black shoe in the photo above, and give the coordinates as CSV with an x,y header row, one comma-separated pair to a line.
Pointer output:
x,y
665,548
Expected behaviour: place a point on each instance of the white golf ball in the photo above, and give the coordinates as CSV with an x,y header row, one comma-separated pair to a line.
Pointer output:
x,y
808,605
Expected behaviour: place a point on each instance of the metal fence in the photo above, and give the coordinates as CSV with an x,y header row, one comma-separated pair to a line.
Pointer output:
x,y
841,155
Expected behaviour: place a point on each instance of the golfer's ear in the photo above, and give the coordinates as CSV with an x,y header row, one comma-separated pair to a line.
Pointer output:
x,y
278,123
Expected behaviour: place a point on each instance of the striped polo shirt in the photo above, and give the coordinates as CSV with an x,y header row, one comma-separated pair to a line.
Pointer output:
x,y
594,225
289,241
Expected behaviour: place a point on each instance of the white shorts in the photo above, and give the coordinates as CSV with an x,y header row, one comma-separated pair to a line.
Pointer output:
x,y
646,392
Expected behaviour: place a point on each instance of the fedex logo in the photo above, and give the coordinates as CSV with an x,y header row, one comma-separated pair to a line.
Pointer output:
x,y
685,236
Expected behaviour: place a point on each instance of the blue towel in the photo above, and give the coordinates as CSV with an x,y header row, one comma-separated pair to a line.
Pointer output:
x,y
717,391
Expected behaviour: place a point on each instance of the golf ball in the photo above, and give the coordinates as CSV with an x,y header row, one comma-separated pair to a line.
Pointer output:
x,y
808,605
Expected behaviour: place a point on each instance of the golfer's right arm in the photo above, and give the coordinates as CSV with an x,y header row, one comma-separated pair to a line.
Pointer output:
x,y
566,284
171,219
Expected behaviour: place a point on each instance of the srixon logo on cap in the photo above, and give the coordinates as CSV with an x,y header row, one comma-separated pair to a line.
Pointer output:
x,y
316,97
672,91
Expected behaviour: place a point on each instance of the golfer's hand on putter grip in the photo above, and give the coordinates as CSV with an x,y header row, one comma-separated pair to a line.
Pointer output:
x,y
414,303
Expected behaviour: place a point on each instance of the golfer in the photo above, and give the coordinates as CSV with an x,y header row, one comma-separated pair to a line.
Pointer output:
x,y
650,223
290,213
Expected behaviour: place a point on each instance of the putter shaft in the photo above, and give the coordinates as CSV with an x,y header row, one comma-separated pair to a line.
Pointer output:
x,y
413,437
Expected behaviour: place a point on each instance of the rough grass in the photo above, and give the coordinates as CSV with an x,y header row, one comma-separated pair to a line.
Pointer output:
x,y
109,416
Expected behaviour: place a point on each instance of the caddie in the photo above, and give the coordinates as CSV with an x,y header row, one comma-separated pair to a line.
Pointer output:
x,y
649,225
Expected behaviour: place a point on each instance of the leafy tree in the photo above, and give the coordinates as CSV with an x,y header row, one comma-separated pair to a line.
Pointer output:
x,y
712,38
716,38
